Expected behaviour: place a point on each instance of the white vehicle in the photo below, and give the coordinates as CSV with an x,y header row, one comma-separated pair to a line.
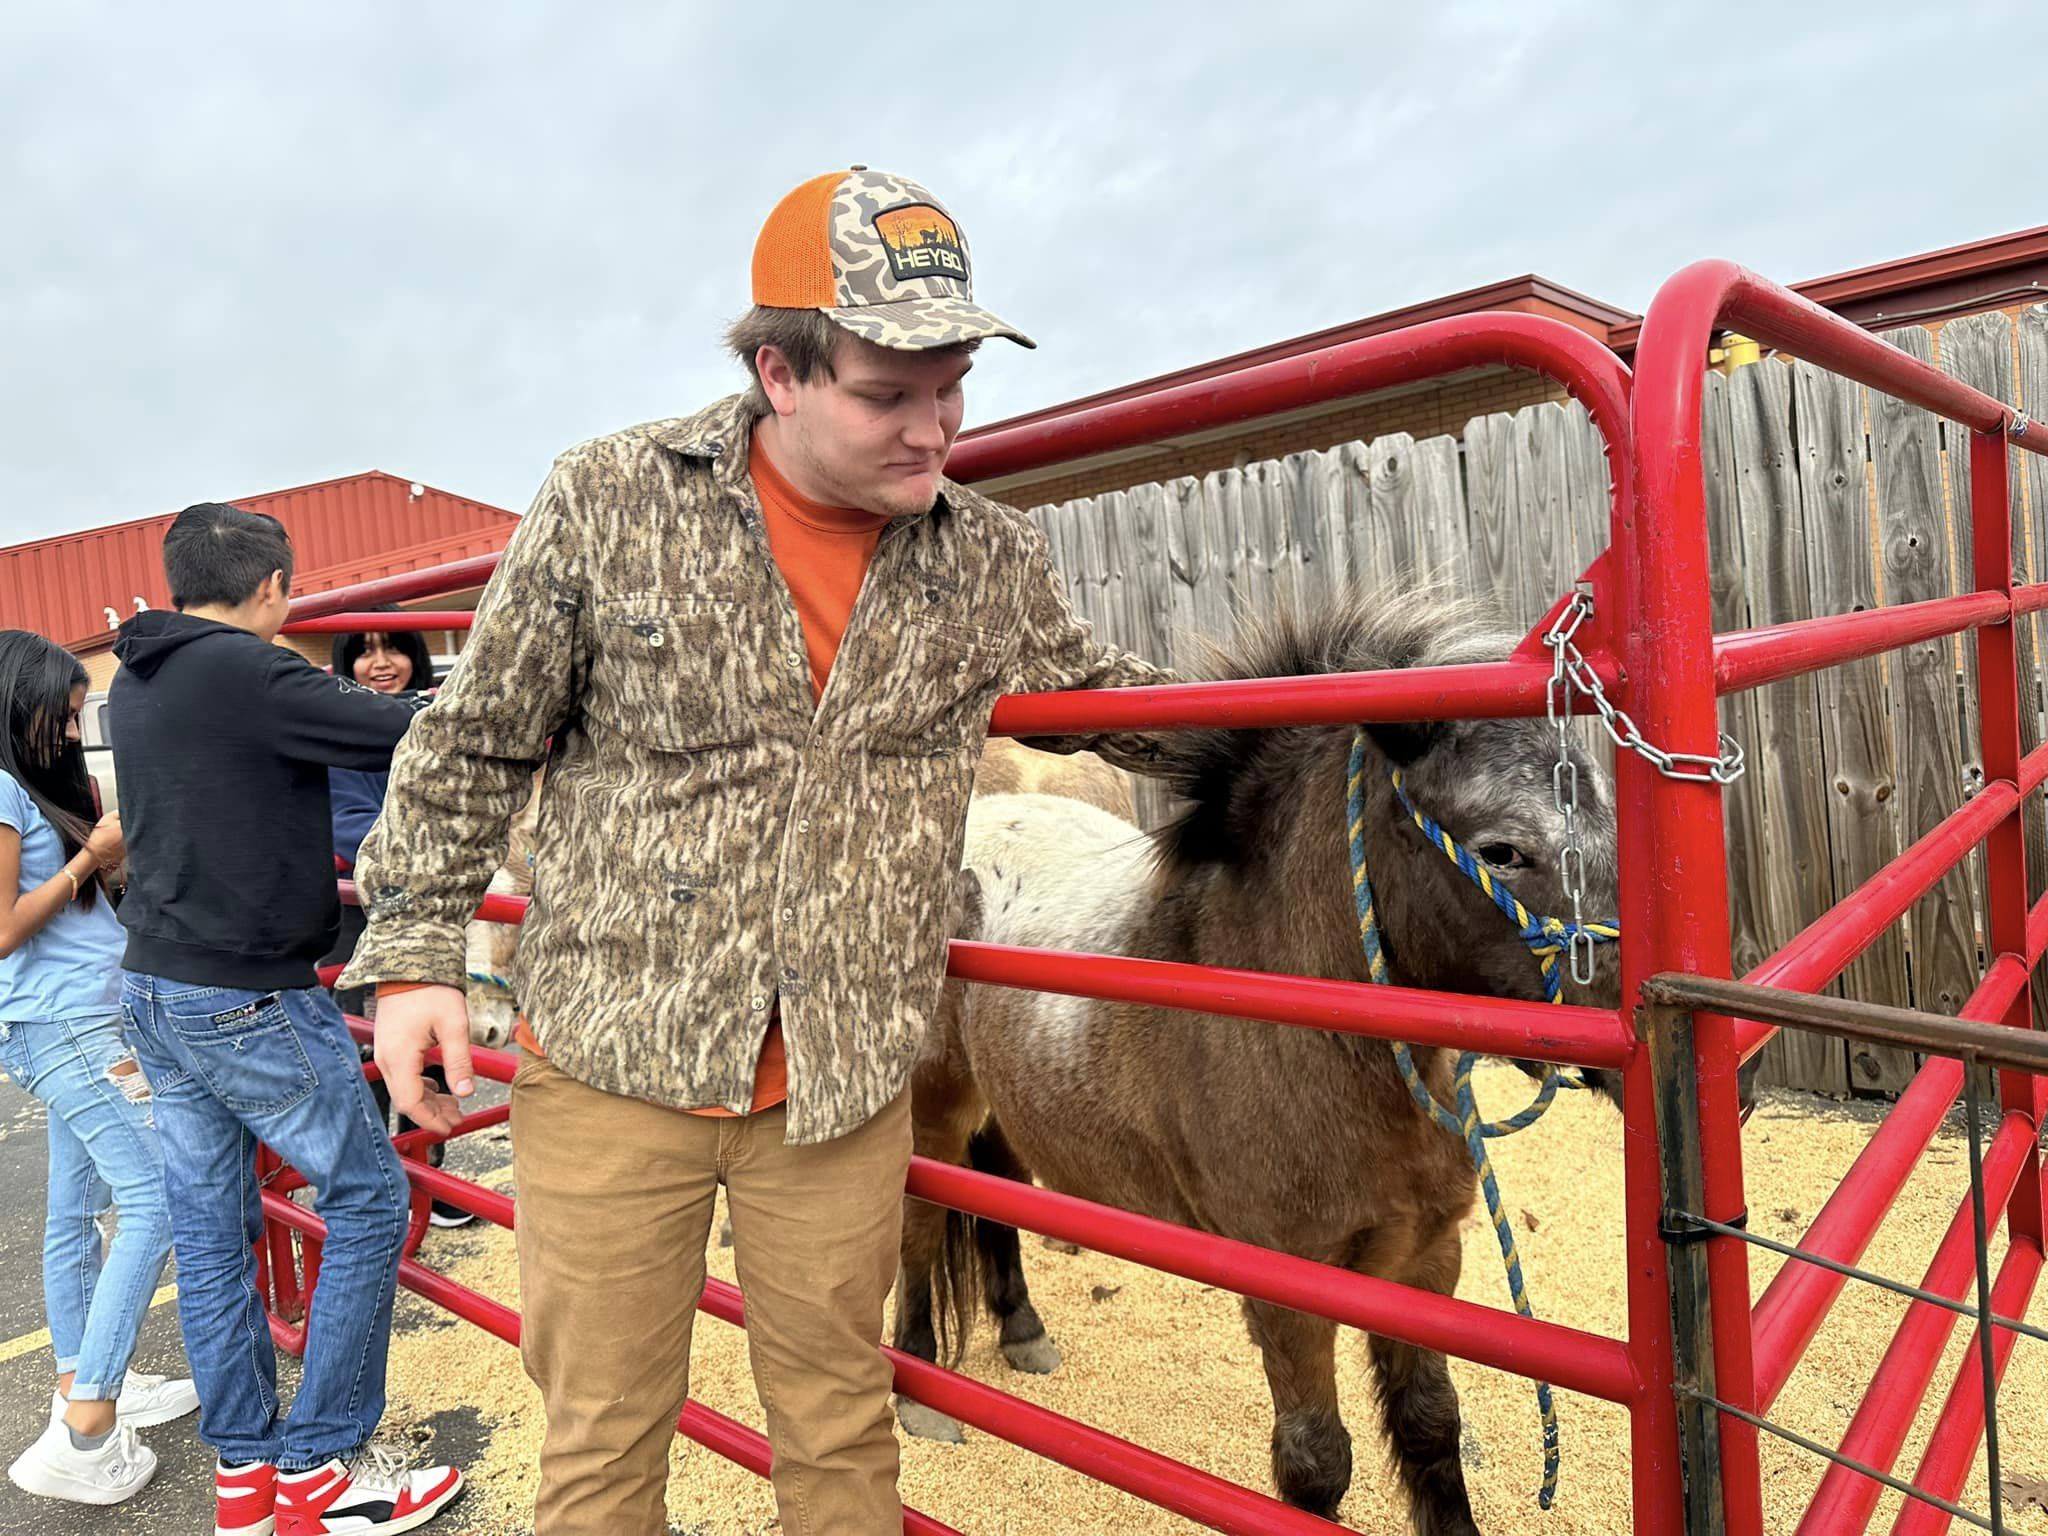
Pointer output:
x,y
99,753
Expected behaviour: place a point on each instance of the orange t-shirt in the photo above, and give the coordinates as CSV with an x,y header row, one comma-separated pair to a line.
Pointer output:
x,y
823,554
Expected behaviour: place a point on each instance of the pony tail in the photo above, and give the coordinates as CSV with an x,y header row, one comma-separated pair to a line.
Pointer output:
x,y
957,1282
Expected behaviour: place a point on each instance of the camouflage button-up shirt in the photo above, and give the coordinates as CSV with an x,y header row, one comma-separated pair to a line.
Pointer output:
x,y
713,837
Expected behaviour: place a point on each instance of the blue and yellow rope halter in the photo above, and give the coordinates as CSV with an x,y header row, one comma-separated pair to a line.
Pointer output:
x,y
1549,940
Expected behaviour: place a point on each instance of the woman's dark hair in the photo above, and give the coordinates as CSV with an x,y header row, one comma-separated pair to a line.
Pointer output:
x,y
36,683
409,643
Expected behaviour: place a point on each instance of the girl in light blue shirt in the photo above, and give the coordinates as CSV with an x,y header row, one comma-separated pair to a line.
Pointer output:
x,y
60,1038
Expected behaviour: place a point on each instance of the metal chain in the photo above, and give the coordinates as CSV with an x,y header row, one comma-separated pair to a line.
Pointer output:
x,y
1723,769
1564,790
1572,675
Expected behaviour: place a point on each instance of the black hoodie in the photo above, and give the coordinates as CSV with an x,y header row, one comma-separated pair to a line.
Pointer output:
x,y
222,742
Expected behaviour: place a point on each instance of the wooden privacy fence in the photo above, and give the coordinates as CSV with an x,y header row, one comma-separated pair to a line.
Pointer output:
x,y
1823,498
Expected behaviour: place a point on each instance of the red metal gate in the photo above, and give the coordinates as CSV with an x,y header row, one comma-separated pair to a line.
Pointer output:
x,y
1651,642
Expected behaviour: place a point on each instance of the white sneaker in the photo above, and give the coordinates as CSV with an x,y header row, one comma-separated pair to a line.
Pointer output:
x,y
377,1494
54,1469
145,1400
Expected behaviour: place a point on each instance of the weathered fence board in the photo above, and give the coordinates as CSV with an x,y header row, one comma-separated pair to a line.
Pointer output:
x,y
1542,474
1744,816
1798,882
1494,505
1978,349
1857,757
1200,600
1914,529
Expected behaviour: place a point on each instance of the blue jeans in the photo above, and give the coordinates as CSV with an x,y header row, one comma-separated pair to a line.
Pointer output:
x,y
230,1069
103,1151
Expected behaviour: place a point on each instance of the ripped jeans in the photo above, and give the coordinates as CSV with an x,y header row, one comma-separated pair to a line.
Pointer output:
x,y
103,1151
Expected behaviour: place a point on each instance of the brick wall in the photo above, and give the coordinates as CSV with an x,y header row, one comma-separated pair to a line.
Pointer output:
x,y
1436,410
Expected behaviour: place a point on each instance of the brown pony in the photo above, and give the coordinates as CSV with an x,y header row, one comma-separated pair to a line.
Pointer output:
x,y
1298,1140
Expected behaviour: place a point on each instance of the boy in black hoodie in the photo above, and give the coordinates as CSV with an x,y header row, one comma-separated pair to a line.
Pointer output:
x,y
222,742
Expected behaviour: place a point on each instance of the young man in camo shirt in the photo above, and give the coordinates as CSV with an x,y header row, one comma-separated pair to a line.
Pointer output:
x,y
757,648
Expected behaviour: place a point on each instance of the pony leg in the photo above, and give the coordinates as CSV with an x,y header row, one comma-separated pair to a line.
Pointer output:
x,y
1311,1446
1419,1405
1023,1337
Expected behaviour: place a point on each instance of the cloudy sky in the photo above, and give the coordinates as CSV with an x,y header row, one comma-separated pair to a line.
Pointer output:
x,y
247,247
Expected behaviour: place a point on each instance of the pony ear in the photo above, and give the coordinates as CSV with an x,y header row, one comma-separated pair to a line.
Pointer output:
x,y
1404,741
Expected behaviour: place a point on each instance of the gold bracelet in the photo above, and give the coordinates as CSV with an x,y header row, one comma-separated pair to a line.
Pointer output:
x,y
75,886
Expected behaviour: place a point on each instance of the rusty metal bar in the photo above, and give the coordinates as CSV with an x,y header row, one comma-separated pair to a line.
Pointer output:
x,y
1994,1044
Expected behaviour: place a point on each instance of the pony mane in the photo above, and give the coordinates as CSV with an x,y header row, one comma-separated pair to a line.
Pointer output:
x,y
1227,777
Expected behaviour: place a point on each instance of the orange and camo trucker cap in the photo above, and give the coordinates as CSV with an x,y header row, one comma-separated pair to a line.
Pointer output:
x,y
880,256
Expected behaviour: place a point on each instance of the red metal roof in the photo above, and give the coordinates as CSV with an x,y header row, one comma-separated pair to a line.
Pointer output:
x,y
342,530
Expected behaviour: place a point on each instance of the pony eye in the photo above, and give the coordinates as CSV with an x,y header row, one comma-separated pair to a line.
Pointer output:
x,y
1503,856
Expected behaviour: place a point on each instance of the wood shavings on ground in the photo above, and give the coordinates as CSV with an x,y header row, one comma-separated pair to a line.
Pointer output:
x,y
1165,1362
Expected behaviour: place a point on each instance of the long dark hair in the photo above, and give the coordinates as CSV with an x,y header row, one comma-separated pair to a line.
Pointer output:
x,y
37,680
409,643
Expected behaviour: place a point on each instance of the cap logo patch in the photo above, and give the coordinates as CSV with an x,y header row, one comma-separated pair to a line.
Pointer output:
x,y
921,242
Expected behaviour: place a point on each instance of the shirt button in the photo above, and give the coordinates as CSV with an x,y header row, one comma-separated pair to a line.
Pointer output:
x,y
789,914
795,660
656,640
803,826
760,1003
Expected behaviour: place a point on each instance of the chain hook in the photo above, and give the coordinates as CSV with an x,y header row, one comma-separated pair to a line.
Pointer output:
x,y
1572,674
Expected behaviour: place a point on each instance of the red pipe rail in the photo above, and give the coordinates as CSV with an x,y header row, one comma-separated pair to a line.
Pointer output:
x,y
432,581
1652,645
1754,657
1799,1297
1587,1037
1846,1499
1945,1465
1594,376
1566,1357
708,1428
1677,674
382,623
1146,1474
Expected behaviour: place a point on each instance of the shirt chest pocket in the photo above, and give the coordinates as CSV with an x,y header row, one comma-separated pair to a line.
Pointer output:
x,y
672,670
940,688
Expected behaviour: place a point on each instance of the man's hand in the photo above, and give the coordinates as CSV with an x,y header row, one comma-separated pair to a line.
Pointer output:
x,y
409,1024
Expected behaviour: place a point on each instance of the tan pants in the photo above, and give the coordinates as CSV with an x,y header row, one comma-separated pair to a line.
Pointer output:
x,y
615,1200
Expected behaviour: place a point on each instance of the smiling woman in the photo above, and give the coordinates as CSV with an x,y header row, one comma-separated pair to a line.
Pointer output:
x,y
389,661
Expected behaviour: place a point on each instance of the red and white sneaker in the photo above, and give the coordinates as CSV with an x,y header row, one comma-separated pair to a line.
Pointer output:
x,y
374,1494
244,1499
